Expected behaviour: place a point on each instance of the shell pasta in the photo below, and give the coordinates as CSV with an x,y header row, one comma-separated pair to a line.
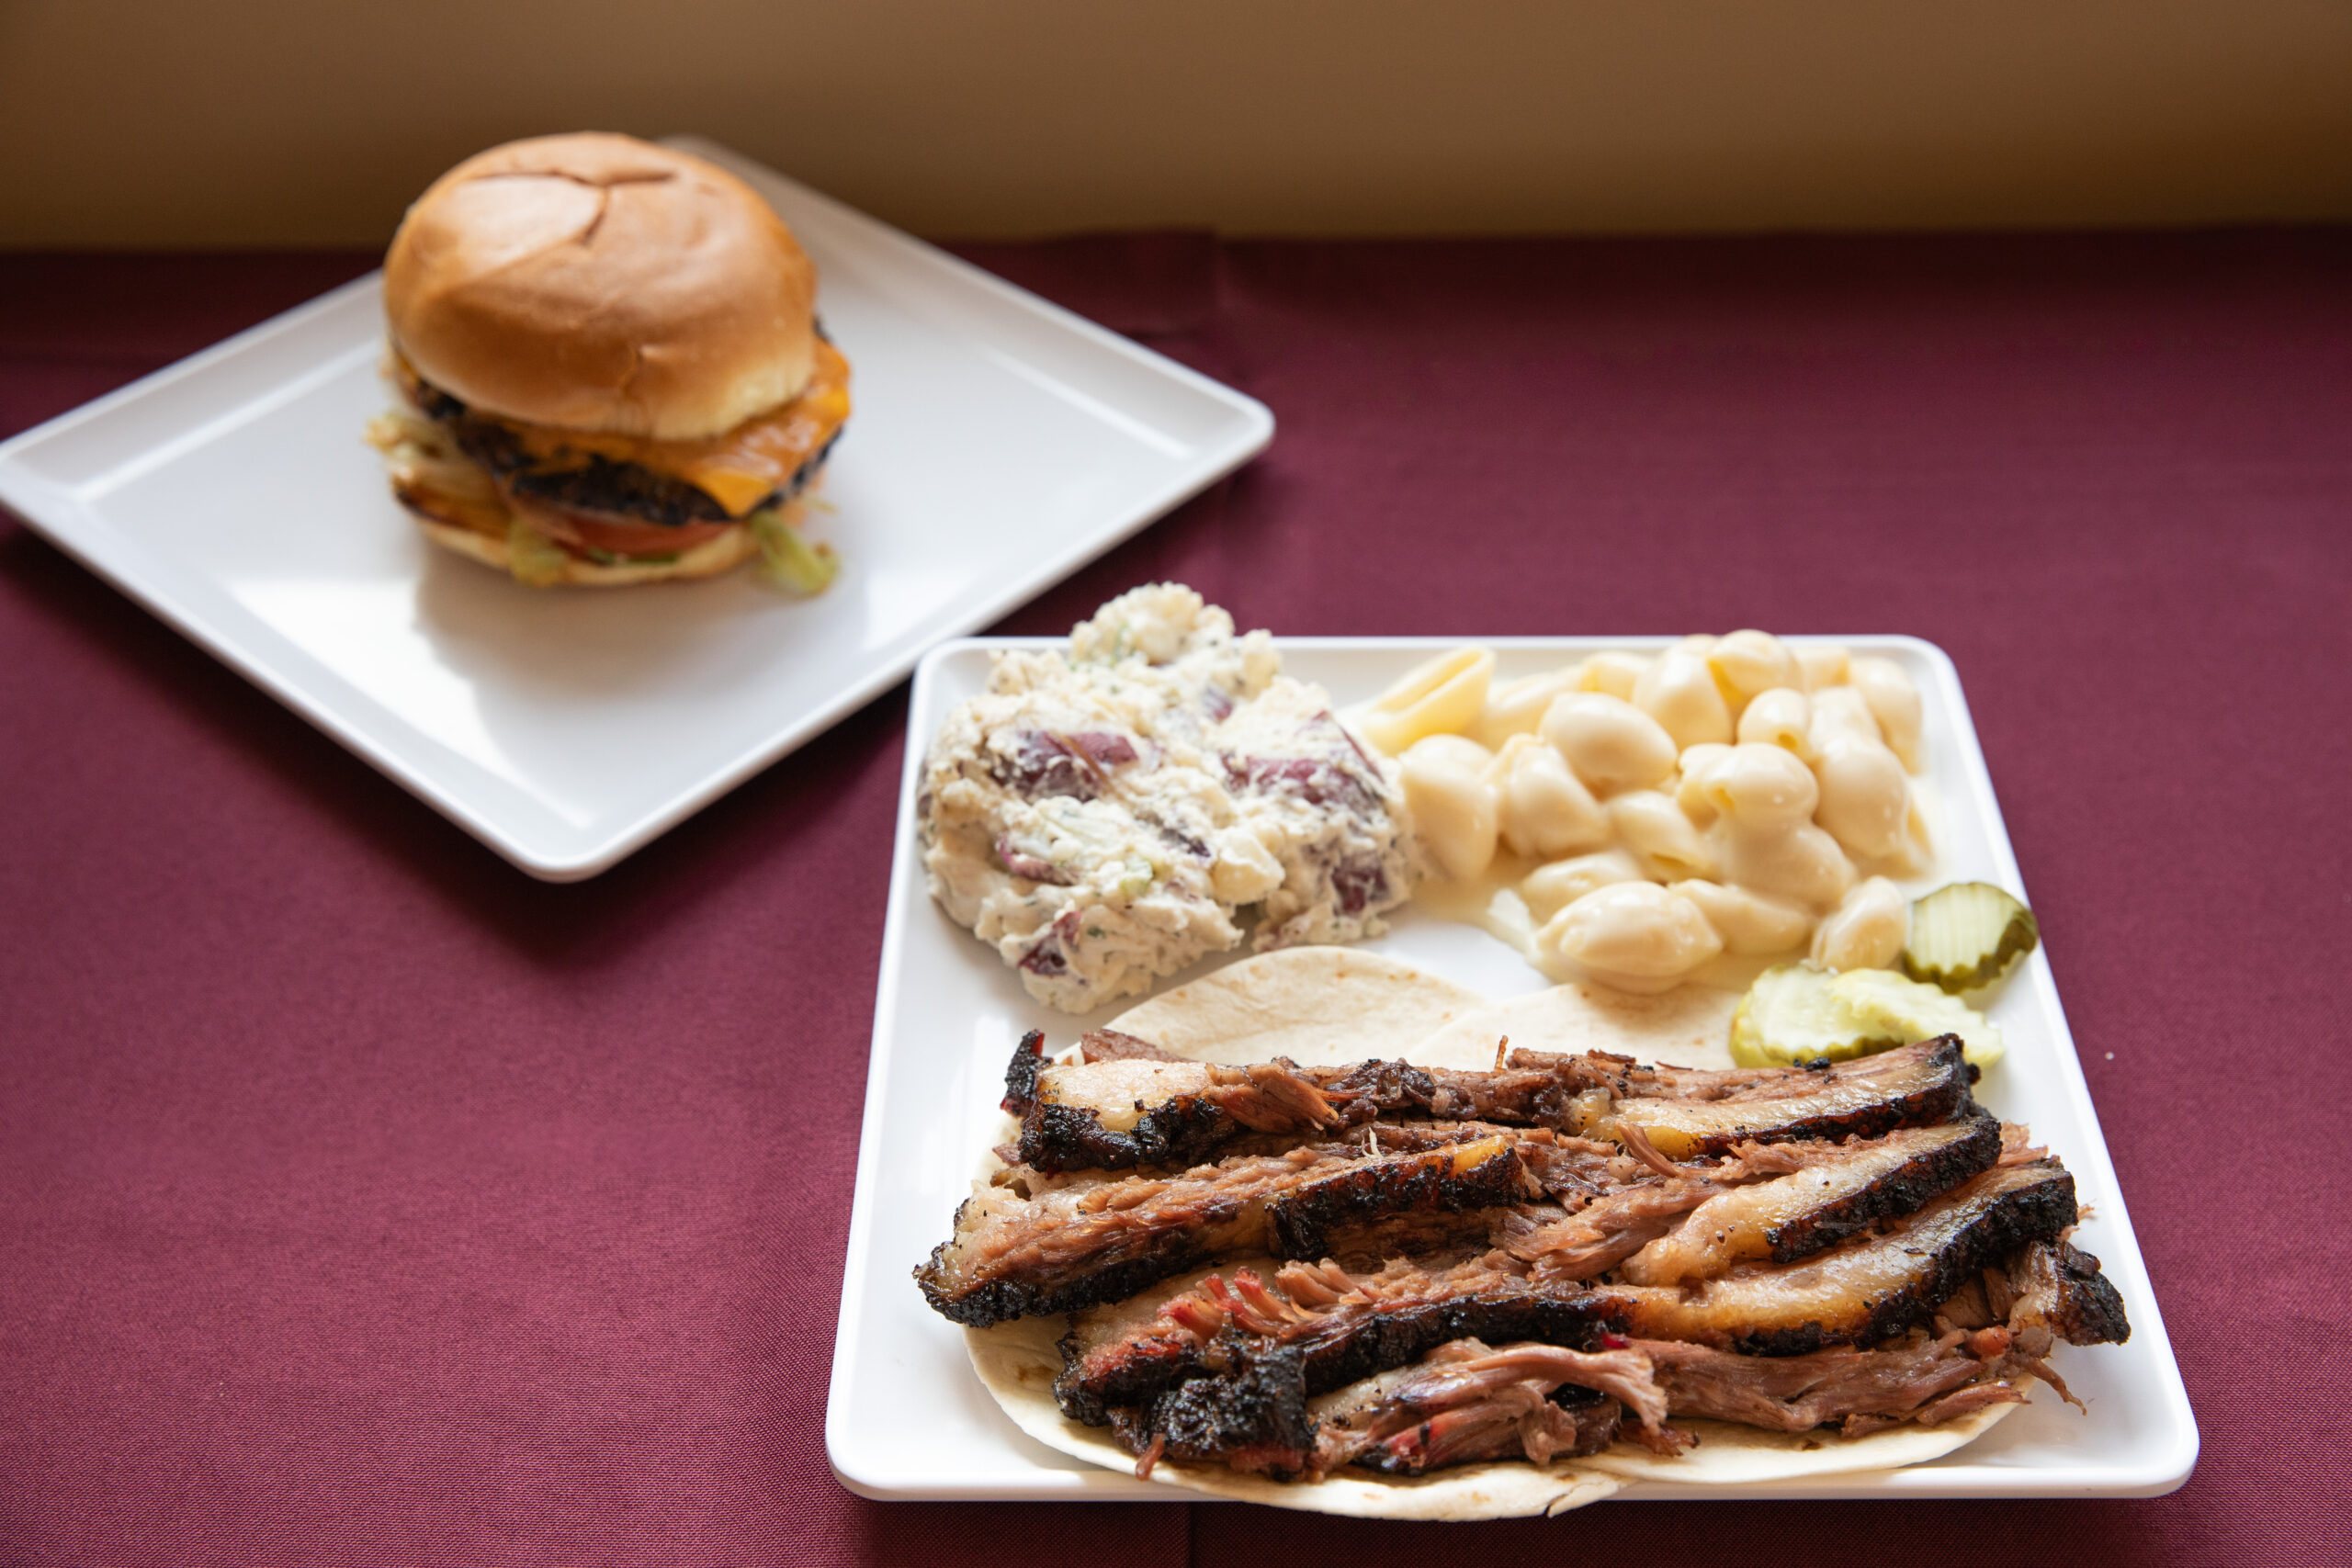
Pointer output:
x,y
1730,794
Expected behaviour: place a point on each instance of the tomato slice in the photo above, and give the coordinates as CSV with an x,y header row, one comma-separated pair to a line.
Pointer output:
x,y
614,536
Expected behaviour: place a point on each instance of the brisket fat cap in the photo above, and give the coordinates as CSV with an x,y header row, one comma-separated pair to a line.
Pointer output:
x,y
1839,1192
1780,1202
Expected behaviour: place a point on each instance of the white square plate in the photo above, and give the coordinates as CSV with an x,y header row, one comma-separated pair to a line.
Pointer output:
x,y
907,1418
998,444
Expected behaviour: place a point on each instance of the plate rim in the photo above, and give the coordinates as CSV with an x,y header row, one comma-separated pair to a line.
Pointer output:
x,y
173,589
2164,1472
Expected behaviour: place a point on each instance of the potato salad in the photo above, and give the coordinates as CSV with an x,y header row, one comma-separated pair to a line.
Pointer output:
x,y
1159,791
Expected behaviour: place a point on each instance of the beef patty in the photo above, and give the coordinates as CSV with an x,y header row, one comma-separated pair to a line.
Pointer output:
x,y
598,485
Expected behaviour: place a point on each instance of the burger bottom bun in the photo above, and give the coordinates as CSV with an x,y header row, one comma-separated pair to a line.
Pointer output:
x,y
710,558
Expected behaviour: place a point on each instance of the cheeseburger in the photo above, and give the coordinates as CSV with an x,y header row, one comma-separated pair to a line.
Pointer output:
x,y
609,368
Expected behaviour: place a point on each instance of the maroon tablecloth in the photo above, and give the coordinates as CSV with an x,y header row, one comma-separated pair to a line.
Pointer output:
x,y
362,1201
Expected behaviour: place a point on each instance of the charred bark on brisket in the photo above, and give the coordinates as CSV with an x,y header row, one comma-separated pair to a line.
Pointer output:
x,y
1900,1191
1464,1401
2060,1287
1020,1074
1802,1305
1248,1412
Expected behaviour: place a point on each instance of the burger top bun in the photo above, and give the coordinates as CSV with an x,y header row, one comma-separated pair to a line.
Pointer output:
x,y
598,282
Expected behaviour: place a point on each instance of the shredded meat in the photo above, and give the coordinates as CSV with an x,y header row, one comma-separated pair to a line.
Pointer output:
x,y
1604,1233
1465,1401
1796,1393
1110,1046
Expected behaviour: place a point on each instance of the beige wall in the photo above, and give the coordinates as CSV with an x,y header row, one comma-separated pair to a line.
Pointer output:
x,y
271,121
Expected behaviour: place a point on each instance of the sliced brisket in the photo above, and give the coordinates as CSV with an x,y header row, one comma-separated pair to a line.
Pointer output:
x,y
1779,1240
1346,1326
1466,1402
1914,1086
1116,1110
1017,1251
1868,1288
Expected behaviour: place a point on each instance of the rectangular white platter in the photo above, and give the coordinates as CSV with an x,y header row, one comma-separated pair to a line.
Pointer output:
x,y
907,1418
998,443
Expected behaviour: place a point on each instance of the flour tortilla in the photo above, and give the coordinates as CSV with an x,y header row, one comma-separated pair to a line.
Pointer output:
x,y
1329,1005
1311,1004
1018,1362
1688,1027
1732,1455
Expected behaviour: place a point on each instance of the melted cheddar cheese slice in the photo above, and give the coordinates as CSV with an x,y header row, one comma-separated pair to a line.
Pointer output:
x,y
738,470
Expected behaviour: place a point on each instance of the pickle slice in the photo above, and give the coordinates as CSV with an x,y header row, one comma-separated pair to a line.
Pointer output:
x,y
1883,1001
1967,935
1792,1014
1797,1014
